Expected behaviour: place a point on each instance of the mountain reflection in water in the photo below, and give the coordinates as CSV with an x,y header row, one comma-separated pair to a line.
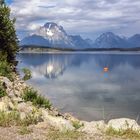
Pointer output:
x,y
90,86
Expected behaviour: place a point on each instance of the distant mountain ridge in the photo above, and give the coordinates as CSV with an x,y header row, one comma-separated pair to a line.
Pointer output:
x,y
35,40
134,40
53,35
110,40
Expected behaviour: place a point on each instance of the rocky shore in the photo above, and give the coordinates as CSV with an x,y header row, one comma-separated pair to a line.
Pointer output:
x,y
50,124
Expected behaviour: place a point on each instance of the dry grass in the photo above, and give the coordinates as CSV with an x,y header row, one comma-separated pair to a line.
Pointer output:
x,y
12,118
24,130
66,135
128,133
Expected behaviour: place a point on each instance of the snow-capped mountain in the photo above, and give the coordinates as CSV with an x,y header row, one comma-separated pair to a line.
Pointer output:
x,y
53,35
110,40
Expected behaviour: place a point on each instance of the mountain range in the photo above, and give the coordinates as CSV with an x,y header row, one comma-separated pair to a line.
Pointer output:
x,y
53,35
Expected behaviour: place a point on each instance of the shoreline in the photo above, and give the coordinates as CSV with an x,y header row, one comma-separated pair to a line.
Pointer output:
x,y
13,101
82,52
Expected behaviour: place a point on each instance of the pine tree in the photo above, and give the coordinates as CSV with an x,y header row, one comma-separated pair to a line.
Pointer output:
x,y
8,38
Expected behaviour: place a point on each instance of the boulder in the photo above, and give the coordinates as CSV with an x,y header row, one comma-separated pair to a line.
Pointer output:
x,y
54,112
123,124
10,92
94,127
3,106
70,117
17,100
44,113
42,125
17,93
24,107
23,115
5,80
13,88
60,123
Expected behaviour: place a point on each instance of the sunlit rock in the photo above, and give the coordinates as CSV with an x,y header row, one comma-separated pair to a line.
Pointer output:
x,y
93,127
123,124
3,106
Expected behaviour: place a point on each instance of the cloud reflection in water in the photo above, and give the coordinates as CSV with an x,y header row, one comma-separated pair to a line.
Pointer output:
x,y
79,84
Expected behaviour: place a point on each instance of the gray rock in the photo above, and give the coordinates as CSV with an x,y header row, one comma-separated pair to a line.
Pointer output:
x,y
5,80
10,92
93,127
24,107
44,114
23,115
123,124
60,123
17,93
17,99
3,106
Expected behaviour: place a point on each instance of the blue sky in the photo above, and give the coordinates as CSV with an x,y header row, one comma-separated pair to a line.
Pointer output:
x,y
89,18
9,1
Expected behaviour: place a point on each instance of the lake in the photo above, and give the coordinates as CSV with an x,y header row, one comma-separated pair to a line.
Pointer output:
x,y
90,86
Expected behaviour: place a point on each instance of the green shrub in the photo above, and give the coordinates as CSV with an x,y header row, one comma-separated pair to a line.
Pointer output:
x,y
6,70
77,124
27,74
2,90
37,100
42,102
29,94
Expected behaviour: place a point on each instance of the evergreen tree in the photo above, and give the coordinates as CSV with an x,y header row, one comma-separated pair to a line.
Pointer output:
x,y
8,38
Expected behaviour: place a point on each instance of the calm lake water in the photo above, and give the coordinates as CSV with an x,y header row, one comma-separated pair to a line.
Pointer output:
x,y
89,86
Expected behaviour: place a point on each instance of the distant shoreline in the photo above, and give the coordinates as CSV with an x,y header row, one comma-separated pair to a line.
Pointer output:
x,y
43,49
83,52
48,50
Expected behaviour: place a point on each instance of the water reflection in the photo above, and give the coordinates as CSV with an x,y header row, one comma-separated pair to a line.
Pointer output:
x,y
91,86
49,66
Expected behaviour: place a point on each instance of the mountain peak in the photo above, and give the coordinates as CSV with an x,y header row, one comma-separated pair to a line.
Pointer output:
x,y
108,35
136,36
109,40
50,24
55,34
53,26
134,40
48,30
52,32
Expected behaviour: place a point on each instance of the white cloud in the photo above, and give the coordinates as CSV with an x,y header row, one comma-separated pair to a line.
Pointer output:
x,y
92,16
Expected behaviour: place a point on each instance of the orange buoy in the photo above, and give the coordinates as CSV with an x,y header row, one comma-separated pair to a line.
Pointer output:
x,y
106,69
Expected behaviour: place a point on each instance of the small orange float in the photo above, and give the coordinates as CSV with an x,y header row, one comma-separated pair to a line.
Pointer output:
x,y
106,69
